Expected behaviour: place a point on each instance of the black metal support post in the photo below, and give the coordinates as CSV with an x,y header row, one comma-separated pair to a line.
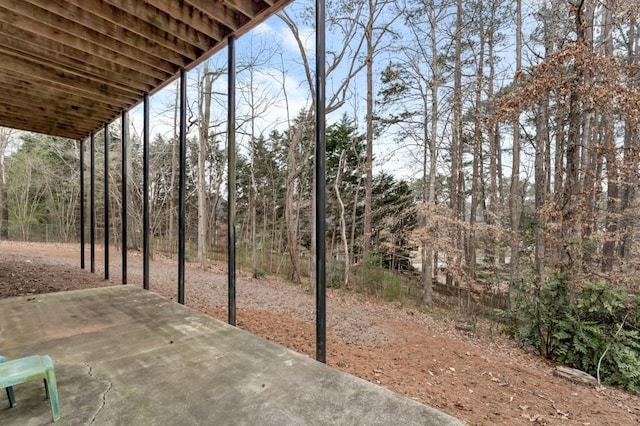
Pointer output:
x,y
145,194
321,315
125,141
181,184
92,207
106,201
231,184
81,203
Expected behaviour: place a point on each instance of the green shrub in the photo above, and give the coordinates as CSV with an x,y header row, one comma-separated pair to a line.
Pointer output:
x,y
259,273
335,273
372,278
392,290
576,326
369,276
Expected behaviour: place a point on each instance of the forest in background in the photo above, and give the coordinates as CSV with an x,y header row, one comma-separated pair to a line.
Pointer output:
x,y
520,121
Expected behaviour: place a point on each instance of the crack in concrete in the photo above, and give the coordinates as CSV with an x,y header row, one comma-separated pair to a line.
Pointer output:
x,y
102,405
104,394
90,372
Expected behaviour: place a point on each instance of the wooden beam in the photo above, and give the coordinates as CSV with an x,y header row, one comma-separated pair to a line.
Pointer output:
x,y
217,11
104,15
53,108
68,66
11,96
250,9
163,21
81,22
65,29
125,85
26,24
58,109
93,65
31,70
41,125
191,17
42,91
27,113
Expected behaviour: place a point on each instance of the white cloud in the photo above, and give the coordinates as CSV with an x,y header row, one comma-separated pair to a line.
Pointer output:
x,y
307,38
263,29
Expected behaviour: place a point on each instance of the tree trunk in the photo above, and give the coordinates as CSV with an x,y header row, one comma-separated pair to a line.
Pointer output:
x,y
427,251
343,224
253,213
253,194
514,189
5,134
293,186
354,218
478,139
204,112
172,181
542,134
366,241
571,255
613,207
456,202
493,136
630,144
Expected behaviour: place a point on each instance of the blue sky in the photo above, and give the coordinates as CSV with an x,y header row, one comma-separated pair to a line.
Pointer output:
x,y
273,37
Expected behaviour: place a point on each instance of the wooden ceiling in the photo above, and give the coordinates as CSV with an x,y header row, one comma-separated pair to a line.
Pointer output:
x,y
69,66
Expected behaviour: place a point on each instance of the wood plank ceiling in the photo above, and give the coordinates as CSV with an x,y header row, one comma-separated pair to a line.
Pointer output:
x,y
69,66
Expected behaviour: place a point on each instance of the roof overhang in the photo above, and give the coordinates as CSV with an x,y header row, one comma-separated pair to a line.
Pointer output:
x,y
69,66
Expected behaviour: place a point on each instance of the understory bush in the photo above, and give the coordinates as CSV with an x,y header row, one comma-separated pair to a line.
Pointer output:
x,y
592,327
371,278
335,273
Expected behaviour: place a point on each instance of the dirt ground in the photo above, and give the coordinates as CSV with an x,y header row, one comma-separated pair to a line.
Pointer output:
x,y
481,378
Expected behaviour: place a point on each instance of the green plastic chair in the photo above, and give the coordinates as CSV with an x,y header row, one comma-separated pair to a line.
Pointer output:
x,y
30,368
10,395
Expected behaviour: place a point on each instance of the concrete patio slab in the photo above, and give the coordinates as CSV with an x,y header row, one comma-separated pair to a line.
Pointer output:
x,y
125,356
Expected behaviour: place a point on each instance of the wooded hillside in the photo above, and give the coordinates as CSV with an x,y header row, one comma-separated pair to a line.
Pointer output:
x,y
494,144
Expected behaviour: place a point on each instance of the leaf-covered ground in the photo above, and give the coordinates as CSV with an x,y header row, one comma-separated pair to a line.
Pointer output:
x,y
481,378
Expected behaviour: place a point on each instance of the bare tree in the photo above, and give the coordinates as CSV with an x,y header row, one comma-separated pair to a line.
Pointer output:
x,y
5,138
631,137
27,190
457,177
420,77
514,189
205,83
376,25
343,223
258,101
344,21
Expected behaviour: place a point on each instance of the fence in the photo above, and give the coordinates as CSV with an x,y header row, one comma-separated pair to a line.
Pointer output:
x,y
272,262
455,294
42,232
